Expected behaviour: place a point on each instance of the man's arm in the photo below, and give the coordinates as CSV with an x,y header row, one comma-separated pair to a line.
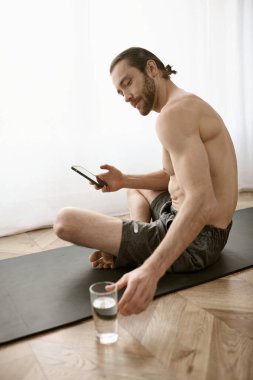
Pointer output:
x,y
153,181
117,180
179,135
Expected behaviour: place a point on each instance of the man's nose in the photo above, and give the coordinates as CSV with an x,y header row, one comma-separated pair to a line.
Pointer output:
x,y
127,97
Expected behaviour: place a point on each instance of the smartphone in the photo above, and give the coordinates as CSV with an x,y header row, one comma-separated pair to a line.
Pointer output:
x,y
88,175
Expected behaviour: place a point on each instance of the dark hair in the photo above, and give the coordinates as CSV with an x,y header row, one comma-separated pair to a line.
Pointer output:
x,y
138,57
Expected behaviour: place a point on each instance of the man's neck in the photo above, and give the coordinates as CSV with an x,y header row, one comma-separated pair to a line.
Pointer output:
x,y
165,94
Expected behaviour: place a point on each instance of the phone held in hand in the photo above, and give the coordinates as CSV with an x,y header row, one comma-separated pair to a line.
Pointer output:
x,y
88,175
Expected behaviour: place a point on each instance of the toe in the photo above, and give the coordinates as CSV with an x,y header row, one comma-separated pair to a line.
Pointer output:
x,y
95,256
108,258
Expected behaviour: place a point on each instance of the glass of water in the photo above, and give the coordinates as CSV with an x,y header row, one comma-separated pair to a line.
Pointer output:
x,y
104,310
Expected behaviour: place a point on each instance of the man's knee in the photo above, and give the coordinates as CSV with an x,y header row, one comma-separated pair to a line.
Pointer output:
x,y
148,195
64,222
132,193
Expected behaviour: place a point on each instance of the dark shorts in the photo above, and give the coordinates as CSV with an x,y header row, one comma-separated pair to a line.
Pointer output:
x,y
139,240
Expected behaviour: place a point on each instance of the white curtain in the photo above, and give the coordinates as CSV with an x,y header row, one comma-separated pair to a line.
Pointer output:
x,y
58,106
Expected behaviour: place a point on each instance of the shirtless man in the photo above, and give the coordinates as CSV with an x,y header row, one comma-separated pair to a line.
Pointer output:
x,y
181,215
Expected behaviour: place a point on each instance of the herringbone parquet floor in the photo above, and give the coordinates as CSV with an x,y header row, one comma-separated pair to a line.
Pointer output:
x,y
202,333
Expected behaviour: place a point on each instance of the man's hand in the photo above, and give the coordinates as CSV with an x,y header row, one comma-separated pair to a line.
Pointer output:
x,y
140,285
113,177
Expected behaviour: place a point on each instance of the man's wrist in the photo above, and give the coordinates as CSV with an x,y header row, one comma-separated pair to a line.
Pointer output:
x,y
154,268
124,181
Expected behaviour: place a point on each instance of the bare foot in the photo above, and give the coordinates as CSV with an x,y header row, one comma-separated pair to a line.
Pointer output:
x,y
102,260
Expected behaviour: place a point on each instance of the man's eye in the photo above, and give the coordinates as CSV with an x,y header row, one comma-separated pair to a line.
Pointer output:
x,y
127,83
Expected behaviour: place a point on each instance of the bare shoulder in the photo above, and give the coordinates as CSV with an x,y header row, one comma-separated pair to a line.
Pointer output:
x,y
188,115
182,116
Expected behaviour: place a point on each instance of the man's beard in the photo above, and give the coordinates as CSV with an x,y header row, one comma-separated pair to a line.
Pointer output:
x,y
148,95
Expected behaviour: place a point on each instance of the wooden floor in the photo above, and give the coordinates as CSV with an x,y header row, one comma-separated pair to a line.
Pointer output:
x,y
202,333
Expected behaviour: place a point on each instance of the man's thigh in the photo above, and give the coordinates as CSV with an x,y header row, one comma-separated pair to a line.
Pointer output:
x,y
139,240
89,229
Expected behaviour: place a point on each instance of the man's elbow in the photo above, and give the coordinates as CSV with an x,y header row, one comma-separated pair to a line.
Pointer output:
x,y
205,206
208,208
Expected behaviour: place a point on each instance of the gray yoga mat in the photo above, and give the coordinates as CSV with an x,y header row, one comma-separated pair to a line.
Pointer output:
x,y
45,290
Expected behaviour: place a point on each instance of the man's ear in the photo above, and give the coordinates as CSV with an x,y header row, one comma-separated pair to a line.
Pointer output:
x,y
151,68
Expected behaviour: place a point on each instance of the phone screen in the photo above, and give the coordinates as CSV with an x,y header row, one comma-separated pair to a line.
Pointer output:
x,y
88,175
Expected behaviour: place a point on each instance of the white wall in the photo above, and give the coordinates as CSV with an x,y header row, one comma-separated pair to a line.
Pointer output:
x,y
58,106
